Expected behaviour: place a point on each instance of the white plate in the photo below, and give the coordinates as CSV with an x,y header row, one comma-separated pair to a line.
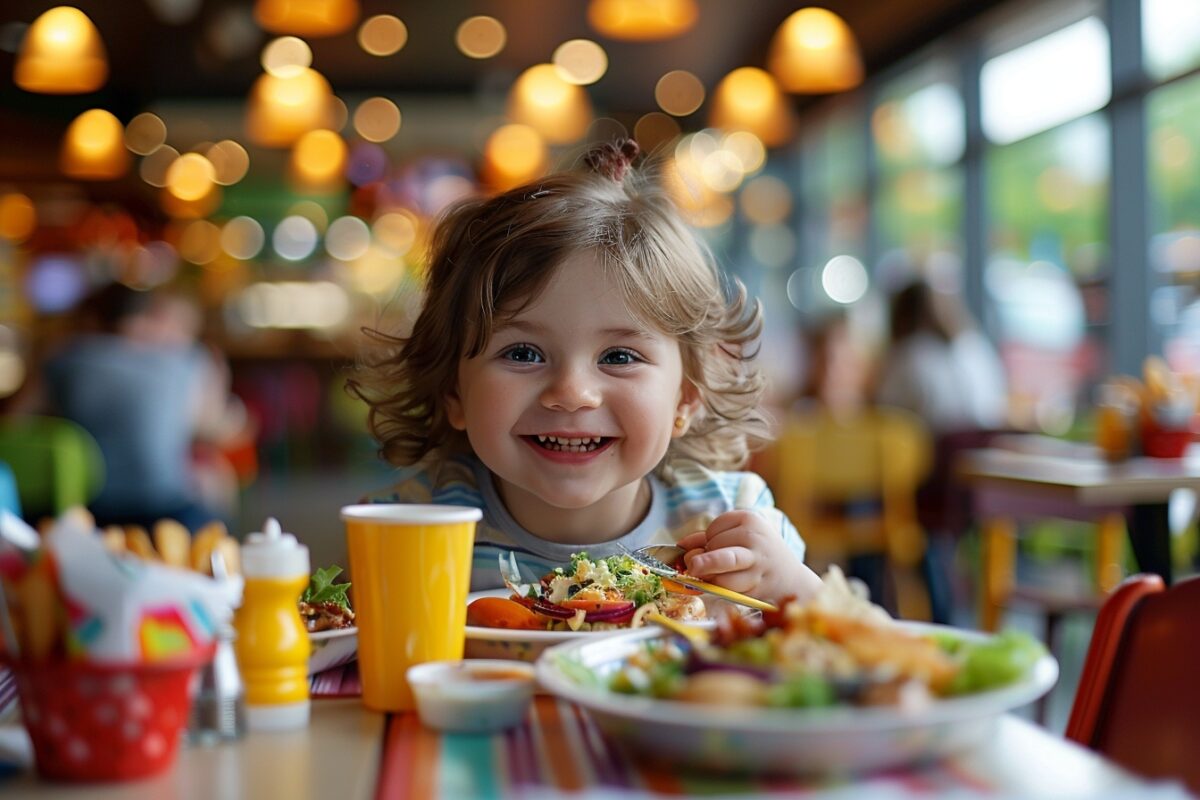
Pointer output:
x,y
523,645
332,649
797,741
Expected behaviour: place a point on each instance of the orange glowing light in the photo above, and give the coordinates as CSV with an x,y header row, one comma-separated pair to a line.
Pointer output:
x,y
642,20
814,52
61,53
541,99
748,99
281,110
313,18
94,147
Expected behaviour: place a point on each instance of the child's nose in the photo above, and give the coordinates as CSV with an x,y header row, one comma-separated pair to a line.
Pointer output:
x,y
570,389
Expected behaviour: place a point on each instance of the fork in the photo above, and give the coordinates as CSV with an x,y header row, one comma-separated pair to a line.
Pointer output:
x,y
644,556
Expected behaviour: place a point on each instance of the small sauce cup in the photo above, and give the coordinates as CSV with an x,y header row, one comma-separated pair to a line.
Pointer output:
x,y
473,696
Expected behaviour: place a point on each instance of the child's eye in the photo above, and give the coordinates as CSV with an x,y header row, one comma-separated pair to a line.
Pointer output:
x,y
619,357
522,354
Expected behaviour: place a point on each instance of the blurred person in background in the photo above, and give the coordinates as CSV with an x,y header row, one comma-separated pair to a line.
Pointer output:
x,y
939,365
137,379
838,368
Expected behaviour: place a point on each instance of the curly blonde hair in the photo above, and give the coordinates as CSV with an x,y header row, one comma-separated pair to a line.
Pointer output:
x,y
491,257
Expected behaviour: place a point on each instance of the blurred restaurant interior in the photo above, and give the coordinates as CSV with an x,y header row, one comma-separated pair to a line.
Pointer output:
x,y
1036,160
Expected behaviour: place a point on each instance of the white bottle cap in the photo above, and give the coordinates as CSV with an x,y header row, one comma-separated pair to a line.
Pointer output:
x,y
283,717
273,553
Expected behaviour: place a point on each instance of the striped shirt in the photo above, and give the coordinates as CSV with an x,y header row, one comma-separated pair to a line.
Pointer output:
x,y
685,500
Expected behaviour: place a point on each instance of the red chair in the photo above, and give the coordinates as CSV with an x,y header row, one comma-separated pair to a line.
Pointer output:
x,y
1138,701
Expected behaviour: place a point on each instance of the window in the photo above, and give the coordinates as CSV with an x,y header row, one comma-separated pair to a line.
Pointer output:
x,y
1170,36
1047,178
919,135
833,196
1037,86
1173,153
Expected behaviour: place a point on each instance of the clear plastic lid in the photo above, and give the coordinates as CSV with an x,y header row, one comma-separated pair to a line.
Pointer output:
x,y
272,553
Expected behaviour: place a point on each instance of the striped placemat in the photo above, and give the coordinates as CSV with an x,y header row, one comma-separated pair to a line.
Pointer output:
x,y
337,682
558,749
8,694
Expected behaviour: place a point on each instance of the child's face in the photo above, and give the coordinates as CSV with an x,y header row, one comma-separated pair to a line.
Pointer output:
x,y
574,365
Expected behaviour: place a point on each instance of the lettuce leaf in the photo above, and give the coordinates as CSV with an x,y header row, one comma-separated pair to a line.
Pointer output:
x,y
322,589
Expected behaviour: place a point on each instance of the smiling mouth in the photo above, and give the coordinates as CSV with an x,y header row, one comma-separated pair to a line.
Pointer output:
x,y
563,444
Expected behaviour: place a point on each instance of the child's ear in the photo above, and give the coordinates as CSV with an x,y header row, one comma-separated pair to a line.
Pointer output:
x,y
689,408
454,411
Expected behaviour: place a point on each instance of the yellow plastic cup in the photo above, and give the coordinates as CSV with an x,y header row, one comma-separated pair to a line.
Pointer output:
x,y
411,570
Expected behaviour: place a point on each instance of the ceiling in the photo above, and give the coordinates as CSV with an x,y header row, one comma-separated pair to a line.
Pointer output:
x,y
213,57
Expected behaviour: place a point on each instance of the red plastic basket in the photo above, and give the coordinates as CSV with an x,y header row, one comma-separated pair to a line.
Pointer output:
x,y
104,722
1159,442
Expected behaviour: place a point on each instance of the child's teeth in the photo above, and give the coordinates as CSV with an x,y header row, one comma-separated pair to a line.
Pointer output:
x,y
570,444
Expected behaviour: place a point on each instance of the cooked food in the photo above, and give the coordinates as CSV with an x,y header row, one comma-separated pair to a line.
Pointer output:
x,y
587,595
325,606
837,649
174,546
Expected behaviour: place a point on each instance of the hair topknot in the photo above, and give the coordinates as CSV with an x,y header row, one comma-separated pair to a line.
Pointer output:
x,y
612,159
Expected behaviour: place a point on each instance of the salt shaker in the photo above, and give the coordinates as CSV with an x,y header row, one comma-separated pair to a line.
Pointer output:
x,y
219,708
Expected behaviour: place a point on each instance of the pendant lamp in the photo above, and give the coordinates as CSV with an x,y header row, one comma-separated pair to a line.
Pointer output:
x,y
642,20
814,52
282,109
61,53
94,147
749,99
541,99
313,18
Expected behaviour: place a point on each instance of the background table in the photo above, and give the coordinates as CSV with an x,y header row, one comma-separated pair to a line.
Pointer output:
x,y
1029,478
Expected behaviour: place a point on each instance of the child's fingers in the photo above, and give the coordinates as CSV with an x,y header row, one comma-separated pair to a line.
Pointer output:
x,y
731,520
746,581
689,555
720,561
693,540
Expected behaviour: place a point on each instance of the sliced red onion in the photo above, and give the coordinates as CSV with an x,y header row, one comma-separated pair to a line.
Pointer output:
x,y
698,663
619,613
552,610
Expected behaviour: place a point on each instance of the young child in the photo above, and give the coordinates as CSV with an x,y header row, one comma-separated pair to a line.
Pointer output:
x,y
577,372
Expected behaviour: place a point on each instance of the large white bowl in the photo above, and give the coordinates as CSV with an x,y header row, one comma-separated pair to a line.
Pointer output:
x,y
524,645
796,741
332,649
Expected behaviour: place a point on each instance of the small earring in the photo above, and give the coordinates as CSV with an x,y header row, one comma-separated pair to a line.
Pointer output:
x,y
680,422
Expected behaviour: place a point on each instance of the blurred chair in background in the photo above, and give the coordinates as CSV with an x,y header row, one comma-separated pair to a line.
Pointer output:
x,y
1138,701
55,462
944,511
849,485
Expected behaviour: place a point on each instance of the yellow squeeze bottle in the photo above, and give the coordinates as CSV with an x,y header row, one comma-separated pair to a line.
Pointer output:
x,y
272,644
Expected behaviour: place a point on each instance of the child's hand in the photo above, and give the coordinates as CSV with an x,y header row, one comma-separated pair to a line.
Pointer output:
x,y
742,552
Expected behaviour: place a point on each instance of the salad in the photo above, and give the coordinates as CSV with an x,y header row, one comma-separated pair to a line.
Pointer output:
x,y
836,650
587,595
325,605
